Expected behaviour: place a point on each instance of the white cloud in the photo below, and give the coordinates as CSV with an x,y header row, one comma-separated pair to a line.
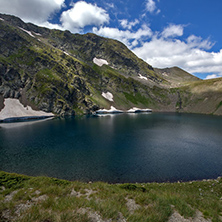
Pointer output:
x,y
195,41
213,76
172,31
35,11
128,25
124,36
161,53
51,26
83,14
158,11
110,5
39,11
150,6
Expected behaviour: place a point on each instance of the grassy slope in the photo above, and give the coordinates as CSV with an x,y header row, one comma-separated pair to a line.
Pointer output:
x,y
52,77
48,199
59,83
202,97
176,76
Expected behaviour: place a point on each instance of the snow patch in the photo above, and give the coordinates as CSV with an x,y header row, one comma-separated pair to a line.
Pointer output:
x,y
100,62
30,33
142,77
138,110
14,109
66,53
114,110
164,74
111,110
2,19
108,96
37,33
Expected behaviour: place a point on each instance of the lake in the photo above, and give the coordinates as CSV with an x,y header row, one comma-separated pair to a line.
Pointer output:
x,y
116,148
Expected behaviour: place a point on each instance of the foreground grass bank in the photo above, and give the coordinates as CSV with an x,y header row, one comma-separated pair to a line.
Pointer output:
x,y
24,198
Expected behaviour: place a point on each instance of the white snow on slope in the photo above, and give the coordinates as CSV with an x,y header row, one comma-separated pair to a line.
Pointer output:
x,y
65,52
135,109
108,96
111,110
2,19
164,74
142,77
100,62
13,108
27,32
114,110
37,33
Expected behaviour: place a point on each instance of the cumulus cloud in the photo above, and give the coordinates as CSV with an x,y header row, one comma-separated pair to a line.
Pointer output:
x,y
129,38
35,11
189,55
40,11
172,31
83,14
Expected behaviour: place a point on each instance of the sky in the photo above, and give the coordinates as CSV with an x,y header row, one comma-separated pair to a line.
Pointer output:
x,y
164,33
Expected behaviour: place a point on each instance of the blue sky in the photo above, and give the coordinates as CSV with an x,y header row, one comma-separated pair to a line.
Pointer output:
x,y
164,33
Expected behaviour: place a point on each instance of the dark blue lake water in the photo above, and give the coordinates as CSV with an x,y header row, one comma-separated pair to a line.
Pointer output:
x,y
118,148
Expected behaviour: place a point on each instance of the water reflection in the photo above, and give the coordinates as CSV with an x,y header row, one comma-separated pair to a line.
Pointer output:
x,y
10,125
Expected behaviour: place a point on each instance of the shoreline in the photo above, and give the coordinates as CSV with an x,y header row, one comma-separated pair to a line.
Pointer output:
x,y
23,119
13,110
116,183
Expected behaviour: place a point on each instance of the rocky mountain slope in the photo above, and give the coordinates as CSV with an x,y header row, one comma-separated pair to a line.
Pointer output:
x,y
66,74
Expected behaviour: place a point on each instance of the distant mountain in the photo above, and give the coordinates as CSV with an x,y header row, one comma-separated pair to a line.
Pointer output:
x,y
176,76
66,74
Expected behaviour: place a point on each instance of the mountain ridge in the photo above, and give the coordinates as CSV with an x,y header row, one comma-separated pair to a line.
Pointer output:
x,y
54,71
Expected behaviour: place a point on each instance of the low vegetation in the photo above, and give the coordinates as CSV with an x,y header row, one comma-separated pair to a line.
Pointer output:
x,y
54,71
24,198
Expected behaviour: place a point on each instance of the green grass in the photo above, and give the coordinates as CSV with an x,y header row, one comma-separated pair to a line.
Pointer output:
x,y
137,98
50,199
219,105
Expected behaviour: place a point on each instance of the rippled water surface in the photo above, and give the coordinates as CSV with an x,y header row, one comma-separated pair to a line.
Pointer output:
x,y
118,148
